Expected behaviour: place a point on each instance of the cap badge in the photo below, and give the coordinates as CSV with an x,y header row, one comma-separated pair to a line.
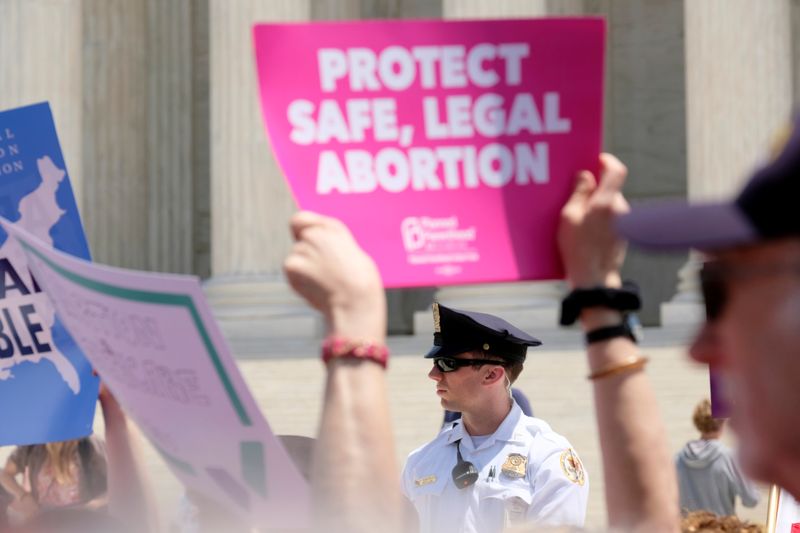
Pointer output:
x,y
485,345
515,466
572,467
437,321
427,480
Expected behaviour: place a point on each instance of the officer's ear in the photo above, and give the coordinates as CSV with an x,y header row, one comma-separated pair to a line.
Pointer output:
x,y
495,373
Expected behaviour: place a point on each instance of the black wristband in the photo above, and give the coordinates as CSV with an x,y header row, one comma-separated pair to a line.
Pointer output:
x,y
623,299
602,334
630,328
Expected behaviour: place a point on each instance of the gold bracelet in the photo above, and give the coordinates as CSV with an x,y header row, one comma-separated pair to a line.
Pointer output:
x,y
631,364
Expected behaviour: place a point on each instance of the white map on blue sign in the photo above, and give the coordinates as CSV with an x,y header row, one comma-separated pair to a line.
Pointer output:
x,y
39,213
47,389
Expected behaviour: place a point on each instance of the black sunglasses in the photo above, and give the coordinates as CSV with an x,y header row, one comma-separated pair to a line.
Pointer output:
x,y
716,275
451,364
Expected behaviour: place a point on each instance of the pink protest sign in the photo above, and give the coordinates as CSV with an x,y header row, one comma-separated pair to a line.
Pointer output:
x,y
448,148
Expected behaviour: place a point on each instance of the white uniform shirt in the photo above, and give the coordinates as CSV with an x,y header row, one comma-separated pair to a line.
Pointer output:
x,y
553,490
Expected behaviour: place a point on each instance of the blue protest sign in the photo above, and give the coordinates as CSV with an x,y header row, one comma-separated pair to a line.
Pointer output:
x,y
47,391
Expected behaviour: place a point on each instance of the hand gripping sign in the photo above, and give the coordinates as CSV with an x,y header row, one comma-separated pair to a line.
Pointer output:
x,y
448,148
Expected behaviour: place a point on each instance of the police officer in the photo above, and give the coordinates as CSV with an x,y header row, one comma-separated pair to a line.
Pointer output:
x,y
496,466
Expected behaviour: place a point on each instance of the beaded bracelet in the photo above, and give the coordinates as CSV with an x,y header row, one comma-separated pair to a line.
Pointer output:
x,y
631,364
335,347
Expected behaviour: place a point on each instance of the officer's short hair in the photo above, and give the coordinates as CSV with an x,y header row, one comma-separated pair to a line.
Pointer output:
x,y
513,370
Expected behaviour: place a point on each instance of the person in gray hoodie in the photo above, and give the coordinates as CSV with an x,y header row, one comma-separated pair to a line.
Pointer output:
x,y
708,476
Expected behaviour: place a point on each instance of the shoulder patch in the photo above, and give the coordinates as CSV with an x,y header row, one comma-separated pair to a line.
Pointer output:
x,y
572,467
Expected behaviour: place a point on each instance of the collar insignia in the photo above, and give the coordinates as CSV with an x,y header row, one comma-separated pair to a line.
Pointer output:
x,y
427,480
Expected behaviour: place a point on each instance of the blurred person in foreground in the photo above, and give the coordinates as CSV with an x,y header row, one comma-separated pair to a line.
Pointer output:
x,y
708,476
354,476
751,287
640,483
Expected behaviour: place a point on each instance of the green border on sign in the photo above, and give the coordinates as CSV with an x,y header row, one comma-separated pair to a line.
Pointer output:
x,y
254,471
159,298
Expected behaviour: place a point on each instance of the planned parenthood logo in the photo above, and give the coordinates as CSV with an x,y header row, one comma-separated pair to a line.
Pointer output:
x,y
439,241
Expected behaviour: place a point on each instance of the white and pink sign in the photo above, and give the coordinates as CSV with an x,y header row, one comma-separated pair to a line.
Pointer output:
x,y
155,343
448,148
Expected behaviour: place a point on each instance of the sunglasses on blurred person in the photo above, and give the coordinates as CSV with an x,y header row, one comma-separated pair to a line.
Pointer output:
x,y
716,277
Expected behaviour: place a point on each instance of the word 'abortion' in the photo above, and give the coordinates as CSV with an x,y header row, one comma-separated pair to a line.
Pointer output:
x,y
493,165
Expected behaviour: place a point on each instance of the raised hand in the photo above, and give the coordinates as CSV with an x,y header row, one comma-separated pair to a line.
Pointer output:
x,y
327,267
590,249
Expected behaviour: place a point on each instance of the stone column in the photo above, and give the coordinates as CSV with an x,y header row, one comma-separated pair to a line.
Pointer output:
x,y
119,78
32,36
169,136
139,170
201,142
250,202
477,9
335,9
645,122
114,196
739,76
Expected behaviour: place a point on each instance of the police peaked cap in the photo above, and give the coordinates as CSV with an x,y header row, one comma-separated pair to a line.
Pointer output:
x,y
457,332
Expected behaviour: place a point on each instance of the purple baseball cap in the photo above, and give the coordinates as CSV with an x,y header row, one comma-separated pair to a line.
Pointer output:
x,y
768,207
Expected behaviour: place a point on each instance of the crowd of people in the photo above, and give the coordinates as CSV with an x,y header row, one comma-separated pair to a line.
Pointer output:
x,y
497,468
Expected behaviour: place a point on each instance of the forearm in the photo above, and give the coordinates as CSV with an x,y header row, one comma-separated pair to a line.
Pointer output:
x,y
355,483
355,478
10,484
640,484
128,496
